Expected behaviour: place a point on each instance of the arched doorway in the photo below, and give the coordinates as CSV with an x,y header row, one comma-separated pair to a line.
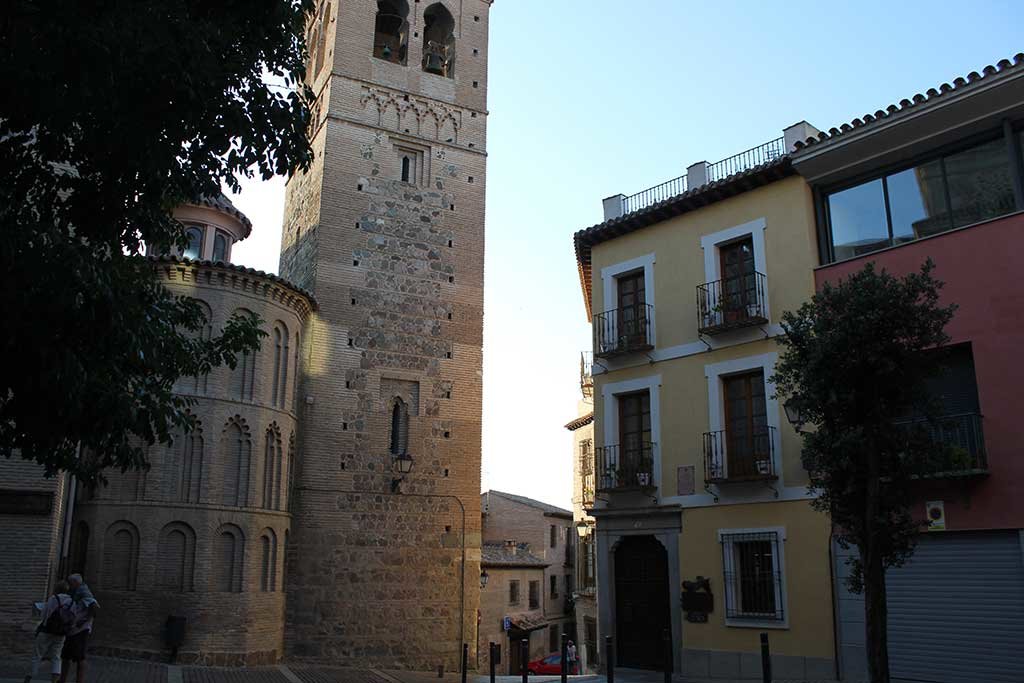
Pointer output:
x,y
641,602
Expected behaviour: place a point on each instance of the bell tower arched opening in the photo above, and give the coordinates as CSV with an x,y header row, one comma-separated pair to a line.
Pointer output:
x,y
391,31
439,41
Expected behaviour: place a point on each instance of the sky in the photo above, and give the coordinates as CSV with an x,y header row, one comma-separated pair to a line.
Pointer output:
x,y
590,99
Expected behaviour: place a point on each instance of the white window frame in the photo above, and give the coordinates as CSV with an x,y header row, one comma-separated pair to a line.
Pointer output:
x,y
610,288
419,157
714,373
610,393
779,560
710,243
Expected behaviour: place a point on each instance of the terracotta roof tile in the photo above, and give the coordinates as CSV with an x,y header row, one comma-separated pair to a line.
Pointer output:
x,y
499,554
581,421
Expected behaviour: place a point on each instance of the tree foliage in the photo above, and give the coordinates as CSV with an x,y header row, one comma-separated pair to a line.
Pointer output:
x,y
116,113
854,359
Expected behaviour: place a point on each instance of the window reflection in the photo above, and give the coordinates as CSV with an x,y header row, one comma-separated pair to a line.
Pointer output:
x,y
858,220
220,247
979,183
195,243
917,202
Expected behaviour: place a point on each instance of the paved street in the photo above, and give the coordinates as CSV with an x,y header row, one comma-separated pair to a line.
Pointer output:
x,y
105,670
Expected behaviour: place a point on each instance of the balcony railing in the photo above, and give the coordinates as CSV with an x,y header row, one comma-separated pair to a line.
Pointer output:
x,y
739,455
755,156
586,374
623,330
625,468
732,303
587,482
960,436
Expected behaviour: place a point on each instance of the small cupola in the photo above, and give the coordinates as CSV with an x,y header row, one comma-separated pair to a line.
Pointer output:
x,y
212,225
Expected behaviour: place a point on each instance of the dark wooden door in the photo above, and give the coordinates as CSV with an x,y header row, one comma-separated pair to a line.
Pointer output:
x,y
515,656
634,466
632,309
641,602
746,424
739,283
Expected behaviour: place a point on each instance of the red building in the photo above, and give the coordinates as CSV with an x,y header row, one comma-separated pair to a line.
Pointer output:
x,y
941,176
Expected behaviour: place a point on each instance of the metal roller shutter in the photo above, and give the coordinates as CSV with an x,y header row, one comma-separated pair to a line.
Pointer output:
x,y
956,612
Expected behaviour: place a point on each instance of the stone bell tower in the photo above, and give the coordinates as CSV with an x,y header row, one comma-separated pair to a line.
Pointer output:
x,y
387,231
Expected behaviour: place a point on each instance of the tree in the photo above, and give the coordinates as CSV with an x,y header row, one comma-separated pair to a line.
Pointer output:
x,y
116,113
854,358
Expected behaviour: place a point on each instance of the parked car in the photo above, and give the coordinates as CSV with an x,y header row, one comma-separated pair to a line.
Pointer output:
x,y
551,664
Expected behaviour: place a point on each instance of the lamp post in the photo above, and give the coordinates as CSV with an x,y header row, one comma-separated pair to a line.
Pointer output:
x,y
794,413
582,528
402,466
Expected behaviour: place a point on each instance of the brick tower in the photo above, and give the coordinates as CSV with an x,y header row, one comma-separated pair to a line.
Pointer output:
x,y
387,231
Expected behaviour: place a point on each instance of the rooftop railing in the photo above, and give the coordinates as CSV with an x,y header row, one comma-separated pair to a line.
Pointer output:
x,y
755,156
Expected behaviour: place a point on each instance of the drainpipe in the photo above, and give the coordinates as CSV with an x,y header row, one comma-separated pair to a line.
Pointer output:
x,y
69,513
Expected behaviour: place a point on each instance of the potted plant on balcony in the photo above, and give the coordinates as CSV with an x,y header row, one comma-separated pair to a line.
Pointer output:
x,y
643,474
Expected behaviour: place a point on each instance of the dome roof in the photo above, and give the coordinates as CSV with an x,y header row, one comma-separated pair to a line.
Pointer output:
x,y
221,203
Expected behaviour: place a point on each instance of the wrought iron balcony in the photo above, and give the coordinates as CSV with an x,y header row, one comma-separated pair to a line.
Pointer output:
x,y
623,330
730,304
732,456
961,438
586,374
625,468
587,473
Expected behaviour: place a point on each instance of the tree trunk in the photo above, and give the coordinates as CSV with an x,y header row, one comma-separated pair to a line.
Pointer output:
x,y
876,610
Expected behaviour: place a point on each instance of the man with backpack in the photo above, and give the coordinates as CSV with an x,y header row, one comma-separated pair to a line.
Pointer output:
x,y
84,607
58,620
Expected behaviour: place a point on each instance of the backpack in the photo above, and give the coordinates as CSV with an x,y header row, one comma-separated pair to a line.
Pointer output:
x,y
61,620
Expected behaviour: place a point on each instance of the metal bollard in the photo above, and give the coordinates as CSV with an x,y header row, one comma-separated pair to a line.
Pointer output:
x,y
524,655
492,662
766,660
565,653
609,658
666,644
465,660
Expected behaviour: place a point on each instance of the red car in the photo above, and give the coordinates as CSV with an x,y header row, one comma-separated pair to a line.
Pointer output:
x,y
550,665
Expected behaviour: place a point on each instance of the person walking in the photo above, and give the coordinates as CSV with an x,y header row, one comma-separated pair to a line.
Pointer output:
x,y
57,620
570,657
84,606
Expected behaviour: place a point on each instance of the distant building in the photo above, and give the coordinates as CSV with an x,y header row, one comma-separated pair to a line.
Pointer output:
x,y
583,497
941,176
511,608
546,532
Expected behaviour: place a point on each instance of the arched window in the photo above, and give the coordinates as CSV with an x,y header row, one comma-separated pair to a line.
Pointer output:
x,y
272,457
290,474
228,559
279,388
220,246
205,333
295,382
399,427
120,557
194,250
406,168
183,467
268,565
243,377
176,557
439,41
236,458
391,31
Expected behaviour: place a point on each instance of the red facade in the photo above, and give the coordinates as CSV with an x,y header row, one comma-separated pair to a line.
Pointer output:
x,y
983,274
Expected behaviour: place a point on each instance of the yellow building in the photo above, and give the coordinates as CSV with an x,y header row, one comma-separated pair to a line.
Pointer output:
x,y
698,472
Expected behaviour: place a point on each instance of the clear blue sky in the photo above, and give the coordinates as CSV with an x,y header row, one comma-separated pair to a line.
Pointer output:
x,y
589,99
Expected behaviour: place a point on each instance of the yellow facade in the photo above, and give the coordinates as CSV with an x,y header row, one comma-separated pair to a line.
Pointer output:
x,y
683,374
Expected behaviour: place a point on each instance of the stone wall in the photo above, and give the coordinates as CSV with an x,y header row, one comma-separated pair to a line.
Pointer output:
x,y
388,575
230,476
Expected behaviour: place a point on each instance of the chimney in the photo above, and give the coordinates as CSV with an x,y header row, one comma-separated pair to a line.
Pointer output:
x,y
798,132
511,546
696,175
613,206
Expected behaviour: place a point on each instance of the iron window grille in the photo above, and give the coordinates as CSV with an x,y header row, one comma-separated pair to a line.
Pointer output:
x,y
753,576
535,595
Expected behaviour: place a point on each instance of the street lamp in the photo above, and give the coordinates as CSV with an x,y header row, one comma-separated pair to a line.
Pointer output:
x,y
483,579
582,528
403,466
795,414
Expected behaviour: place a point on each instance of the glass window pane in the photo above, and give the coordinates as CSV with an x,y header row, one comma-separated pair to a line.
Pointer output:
x,y
220,247
979,183
195,243
858,220
917,202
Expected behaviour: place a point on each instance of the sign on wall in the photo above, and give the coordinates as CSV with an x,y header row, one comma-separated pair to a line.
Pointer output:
x,y
936,511
684,480
506,624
